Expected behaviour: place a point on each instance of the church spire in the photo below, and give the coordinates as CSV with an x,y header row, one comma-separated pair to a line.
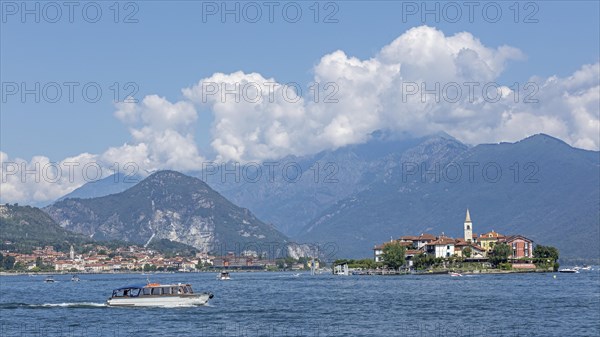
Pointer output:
x,y
468,228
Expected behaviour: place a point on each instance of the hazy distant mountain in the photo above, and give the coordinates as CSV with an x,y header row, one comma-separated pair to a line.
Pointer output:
x,y
553,199
115,183
326,178
167,205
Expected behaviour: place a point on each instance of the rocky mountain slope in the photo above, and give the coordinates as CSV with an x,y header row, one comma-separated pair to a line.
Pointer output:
x,y
168,205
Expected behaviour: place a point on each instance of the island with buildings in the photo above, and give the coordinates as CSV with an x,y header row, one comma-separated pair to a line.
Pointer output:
x,y
490,252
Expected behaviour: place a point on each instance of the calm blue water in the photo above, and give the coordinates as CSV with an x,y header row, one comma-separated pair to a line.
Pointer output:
x,y
279,304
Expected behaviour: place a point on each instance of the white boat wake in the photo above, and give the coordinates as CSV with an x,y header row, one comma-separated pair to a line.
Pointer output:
x,y
53,305
69,305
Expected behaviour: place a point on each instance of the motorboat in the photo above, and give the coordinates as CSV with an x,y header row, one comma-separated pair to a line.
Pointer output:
x,y
224,276
586,267
569,270
455,274
49,279
157,295
75,278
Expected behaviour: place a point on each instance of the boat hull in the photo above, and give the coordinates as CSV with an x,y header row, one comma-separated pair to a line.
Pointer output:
x,y
161,301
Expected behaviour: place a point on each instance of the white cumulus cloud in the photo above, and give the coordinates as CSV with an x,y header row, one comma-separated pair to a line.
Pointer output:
x,y
422,82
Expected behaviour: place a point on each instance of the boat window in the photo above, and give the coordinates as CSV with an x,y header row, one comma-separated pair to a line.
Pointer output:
x,y
147,291
166,290
134,292
155,291
189,289
184,290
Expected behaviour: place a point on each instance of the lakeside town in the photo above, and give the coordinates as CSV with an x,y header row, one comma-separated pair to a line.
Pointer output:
x,y
102,259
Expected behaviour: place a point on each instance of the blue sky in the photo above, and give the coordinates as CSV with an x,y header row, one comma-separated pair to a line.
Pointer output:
x,y
171,48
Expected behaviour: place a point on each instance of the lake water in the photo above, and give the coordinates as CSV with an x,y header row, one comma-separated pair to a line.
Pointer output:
x,y
281,304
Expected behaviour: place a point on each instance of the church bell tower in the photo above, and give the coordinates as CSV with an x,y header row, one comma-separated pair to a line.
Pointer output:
x,y
468,228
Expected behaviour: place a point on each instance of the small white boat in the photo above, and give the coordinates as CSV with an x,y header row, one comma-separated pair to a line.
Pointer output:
x,y
224,276
157,295
49,279
455,274
75,278
569,270
586,267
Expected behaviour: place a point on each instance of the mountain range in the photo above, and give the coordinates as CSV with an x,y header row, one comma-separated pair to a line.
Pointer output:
x,y
361,195
539,187
290,200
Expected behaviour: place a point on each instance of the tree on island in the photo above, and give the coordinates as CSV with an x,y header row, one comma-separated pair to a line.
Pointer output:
x,y
545,252
548,254
500,254
394,255
467,252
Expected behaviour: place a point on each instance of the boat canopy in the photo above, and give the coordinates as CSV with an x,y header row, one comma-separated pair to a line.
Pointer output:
x,y
132,286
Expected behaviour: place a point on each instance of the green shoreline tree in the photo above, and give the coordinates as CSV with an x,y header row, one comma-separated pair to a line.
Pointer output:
x,y
548,253
394,255
500,254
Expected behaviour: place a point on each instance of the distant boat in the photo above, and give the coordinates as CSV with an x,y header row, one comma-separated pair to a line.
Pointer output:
x,y
49,279
75,278
157,295
455,274
569,270
297,275
586,267
341,270
224,276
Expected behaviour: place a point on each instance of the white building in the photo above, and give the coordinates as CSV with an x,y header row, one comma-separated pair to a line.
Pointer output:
x,y
442,247
378,253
